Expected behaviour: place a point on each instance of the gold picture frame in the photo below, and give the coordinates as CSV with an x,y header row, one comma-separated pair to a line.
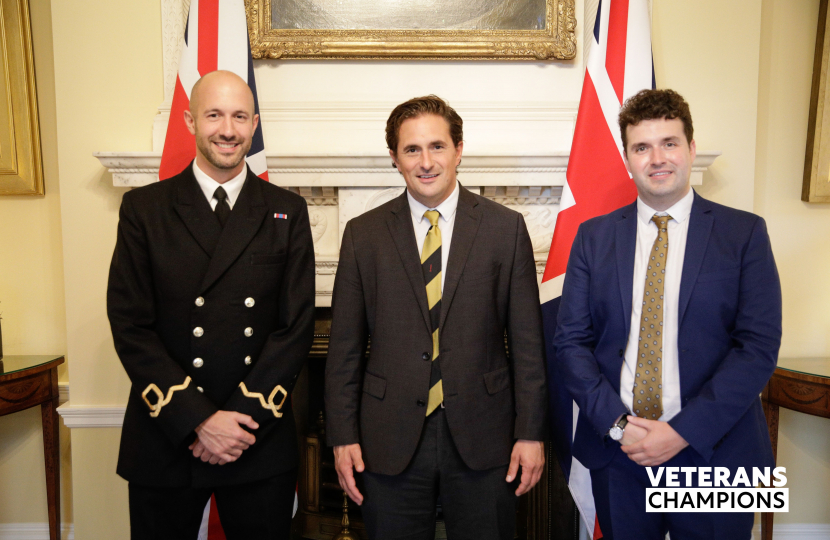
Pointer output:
x,y
556,41
816,185
21,170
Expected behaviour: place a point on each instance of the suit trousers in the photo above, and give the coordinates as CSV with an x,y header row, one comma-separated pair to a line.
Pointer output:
x,y
478,505
620,497
254,511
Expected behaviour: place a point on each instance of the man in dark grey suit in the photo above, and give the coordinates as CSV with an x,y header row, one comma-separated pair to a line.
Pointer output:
x,y
211,303
439,407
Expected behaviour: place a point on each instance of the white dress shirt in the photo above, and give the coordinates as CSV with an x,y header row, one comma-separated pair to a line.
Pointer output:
x,y
445,224
678,228
232,187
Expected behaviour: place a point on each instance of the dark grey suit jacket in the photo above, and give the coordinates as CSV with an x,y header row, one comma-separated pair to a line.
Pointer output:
x,y
491,398
172,251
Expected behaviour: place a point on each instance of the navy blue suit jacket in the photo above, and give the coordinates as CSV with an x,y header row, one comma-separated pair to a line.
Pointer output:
x,y
728,336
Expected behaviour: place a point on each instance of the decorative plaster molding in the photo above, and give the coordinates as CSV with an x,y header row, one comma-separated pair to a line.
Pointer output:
x,y
33,531
79,416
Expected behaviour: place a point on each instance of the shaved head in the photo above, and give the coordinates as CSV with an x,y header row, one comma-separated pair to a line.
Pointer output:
x,y
218,78
222,119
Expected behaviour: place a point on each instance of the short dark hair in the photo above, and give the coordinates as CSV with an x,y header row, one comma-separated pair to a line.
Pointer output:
x,y
420,106
653,105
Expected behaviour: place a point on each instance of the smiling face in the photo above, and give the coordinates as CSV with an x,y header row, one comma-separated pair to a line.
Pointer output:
x,y
222,119
427,158
659,158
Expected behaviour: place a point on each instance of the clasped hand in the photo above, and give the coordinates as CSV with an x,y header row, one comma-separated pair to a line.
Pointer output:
x,y
650,442
221,439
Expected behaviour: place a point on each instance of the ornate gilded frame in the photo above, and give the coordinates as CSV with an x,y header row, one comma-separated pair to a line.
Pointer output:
x,y
556,41
21,171
816,184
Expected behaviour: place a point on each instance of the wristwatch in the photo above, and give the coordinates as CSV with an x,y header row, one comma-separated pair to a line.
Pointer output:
x,y
617,430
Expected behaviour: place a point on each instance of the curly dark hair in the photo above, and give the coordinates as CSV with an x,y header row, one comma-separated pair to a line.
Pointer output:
x,y
652,105
419,106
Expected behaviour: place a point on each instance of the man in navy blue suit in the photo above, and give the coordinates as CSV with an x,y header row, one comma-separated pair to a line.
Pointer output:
x,y
668,330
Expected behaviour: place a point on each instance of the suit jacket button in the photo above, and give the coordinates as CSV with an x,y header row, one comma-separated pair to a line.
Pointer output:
x,y
426,356
200,301
200,389
249,332
249,302
622,352
421,403
198,362
198,332
247,360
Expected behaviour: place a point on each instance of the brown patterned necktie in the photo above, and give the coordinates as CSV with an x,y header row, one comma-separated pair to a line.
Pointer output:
x,y
431,266
648,384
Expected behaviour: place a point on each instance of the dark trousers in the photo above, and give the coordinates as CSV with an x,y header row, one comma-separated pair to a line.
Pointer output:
x,y
477,505
620,497
256,511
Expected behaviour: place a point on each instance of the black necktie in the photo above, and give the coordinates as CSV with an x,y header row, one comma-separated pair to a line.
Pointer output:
x,y
223,209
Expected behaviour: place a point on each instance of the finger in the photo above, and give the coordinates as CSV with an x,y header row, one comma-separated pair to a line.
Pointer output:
x,y
513,468
357,459
244,437
246,420
639,422
525,484
351,489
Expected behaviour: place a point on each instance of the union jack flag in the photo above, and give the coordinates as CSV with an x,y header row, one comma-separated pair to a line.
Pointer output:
x,y
619,64
216,37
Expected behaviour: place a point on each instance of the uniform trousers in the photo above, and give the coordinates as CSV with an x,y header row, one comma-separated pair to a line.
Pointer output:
x,y
254,511
620,497
477,505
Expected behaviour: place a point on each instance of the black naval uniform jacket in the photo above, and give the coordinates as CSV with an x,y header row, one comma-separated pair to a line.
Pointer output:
x,y
205,319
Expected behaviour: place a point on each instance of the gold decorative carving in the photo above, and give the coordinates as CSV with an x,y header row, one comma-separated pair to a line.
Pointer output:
x,y
155,410
556,41
270,403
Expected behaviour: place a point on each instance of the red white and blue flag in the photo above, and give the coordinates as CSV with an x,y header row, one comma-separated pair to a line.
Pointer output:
x,y
216,37
619,64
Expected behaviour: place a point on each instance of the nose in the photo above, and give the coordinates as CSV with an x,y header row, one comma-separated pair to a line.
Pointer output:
x,y
658,157
426,161
226,127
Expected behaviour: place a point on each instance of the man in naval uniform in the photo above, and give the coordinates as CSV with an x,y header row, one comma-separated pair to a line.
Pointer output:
x,y
211,303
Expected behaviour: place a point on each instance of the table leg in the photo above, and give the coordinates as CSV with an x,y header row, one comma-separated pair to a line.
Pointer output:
x,y
771,412
51,454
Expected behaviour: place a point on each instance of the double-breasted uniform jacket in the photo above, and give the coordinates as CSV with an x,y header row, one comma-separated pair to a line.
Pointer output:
x,y
206,318
492,398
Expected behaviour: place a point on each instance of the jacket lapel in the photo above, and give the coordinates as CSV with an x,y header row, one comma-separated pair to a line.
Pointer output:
x,y
626,243
467,220
194,210
403,234
243,223
697,239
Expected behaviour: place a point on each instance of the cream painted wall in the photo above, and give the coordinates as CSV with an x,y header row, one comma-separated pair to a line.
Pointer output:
x,y
32,301
799,234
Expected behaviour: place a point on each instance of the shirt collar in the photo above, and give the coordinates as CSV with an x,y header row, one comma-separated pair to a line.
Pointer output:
x,y
232,187
446,208
679,211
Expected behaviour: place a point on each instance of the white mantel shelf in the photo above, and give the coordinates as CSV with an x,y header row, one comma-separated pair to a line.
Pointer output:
x,y
133,169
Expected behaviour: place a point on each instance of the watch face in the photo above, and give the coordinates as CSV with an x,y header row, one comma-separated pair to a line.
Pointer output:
x,y
616,433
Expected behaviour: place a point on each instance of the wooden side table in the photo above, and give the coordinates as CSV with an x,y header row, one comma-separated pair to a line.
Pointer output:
x,y
26,381
798,384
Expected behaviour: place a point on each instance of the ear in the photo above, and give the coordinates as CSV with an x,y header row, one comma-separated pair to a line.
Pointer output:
x,y
394,160
256,122
459,149
190,122
693,149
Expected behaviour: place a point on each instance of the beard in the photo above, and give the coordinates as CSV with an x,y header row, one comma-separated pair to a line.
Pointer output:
x,y
223,161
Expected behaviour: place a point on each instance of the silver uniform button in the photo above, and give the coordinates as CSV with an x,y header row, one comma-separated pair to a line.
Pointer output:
x,y
198,332
249,332
200,389
247,360
198,362
249,302
200,301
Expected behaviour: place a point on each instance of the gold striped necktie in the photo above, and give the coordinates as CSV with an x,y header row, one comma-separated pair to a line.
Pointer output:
x,y
431,266
648,386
